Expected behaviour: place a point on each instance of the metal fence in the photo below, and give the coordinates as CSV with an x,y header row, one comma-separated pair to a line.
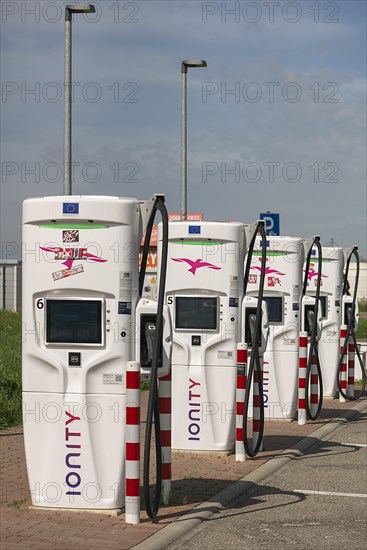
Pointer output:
x,y
11,285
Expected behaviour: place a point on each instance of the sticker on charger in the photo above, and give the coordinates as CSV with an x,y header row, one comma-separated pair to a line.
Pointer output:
x,y
111,379
235,283
126,285
296,293
225,354
233,302
124,308
194,229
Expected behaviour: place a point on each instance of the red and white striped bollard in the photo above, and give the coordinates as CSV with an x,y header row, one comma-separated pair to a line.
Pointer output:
x,y
343,371
302,371
240,399
132,458
351,358
314,386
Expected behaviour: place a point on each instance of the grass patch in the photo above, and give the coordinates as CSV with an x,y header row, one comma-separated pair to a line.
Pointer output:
x,y
10,369
17,504
362,304
362,328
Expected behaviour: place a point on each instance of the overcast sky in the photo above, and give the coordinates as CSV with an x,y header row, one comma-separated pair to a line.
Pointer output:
x,y
275,122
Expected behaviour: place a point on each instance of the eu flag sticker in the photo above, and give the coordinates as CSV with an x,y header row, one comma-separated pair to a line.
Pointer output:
x,y
70,208
194,229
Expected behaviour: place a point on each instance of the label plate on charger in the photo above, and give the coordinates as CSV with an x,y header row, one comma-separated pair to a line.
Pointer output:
x,y
124,308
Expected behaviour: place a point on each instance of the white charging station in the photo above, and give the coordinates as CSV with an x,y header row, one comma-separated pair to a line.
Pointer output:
x,y
204,292
80,292
333,310
282,294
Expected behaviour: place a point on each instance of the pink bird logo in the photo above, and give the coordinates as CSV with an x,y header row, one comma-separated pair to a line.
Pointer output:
x,y
194,265
268,270
312,273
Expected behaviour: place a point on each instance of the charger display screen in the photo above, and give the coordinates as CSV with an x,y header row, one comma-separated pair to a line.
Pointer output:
x,y
275,308
74,322
196,313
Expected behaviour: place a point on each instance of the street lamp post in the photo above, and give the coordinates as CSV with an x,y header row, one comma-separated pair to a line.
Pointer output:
x,y
69,10
184,67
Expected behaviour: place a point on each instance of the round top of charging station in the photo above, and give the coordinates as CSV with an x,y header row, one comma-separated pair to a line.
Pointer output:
x,y
74,208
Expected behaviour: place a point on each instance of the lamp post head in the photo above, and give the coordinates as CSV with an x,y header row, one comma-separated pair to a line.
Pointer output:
x,y
192,63
78,8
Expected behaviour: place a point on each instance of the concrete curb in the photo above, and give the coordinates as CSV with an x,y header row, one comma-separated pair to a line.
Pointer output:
x,y
204,510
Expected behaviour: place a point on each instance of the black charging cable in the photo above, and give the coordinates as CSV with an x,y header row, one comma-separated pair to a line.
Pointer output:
x,y
255,343
153,402
313,349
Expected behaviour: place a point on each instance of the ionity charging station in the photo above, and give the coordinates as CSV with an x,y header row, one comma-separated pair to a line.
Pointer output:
x,y
205,295
282,293
80,327
333,261
337,320
284,279
349,349
204,291
86,336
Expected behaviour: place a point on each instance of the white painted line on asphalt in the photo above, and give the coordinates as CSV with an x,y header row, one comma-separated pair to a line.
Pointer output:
x,y
354,444
330,494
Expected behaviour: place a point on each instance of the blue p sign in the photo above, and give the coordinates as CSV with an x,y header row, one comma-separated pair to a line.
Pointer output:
x,y
271,223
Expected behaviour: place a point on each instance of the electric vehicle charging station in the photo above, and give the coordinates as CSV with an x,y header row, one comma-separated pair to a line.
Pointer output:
x,y
80,326
82,336
287,316
204,292
333,261
349,349
282,294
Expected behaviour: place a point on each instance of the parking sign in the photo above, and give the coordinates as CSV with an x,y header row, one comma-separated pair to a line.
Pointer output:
x,y
271,223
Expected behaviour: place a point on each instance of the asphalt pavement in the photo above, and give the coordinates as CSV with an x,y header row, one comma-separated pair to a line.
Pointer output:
x,y
316,500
